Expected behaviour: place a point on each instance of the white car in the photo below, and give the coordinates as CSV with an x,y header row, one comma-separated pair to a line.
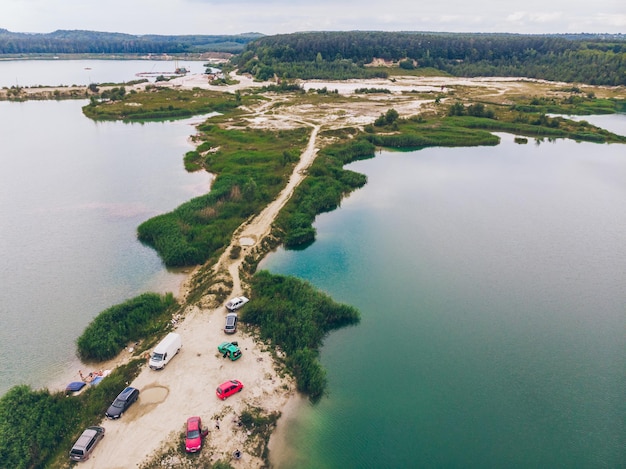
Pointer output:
x,y
236,303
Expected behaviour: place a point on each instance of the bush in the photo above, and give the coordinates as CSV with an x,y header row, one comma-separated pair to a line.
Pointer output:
x,y
32,425
118,325
37,428
326,183
294,316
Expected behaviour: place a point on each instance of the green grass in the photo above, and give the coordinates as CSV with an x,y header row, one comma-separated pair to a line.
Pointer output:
x,y
294,316
252,167
159,103
572,105
133,320
322,190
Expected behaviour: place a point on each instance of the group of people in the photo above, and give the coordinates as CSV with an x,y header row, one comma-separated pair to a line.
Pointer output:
x,y
91,376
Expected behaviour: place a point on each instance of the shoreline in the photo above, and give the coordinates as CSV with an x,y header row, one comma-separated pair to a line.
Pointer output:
x,y
197,319
179,394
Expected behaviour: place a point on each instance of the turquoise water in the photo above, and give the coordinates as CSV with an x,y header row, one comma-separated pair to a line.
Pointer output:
x,y
491,286
72,193
490,280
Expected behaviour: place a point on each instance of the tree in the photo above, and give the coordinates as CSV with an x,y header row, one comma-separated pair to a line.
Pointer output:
x,y
407,64
391,116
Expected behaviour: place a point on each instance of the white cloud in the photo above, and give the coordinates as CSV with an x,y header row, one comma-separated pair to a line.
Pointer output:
x,y
285,16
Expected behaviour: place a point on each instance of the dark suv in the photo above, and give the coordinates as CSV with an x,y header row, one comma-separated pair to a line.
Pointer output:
x,y
122,402
86,443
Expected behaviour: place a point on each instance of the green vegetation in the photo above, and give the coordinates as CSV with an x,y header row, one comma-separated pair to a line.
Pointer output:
x,y
584,58
263,64
372,91
574,104
252,166
157,103
114,328
461,128
413,133
37,428
93,42
295,317
322,190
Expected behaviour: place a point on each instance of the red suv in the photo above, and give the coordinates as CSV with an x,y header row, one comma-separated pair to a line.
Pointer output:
x,y
194,434
228,388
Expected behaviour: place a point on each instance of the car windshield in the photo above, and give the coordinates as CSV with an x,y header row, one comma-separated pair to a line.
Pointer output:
x,y
193,434
118,403
157,357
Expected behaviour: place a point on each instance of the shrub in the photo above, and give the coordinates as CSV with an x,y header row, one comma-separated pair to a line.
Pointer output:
x,y
294,316
130,321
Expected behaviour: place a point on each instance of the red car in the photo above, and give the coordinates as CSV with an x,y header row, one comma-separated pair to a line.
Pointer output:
x,y
194,434
228,388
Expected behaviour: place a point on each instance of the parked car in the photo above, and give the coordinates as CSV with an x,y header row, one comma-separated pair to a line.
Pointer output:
x,y
231,323
122,402
86,443
229,388
230,350
236,303
194,434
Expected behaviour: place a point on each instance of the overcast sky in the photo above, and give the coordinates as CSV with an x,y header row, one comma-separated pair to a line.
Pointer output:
x,y
287,16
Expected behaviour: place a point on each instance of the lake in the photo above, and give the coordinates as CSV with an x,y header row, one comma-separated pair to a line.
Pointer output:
x,y
84,72
72,193
491,283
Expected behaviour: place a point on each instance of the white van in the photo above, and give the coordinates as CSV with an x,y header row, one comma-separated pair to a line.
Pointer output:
x,y
165,350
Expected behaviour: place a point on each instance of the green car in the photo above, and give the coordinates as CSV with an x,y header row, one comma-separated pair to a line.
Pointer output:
x,y
230,350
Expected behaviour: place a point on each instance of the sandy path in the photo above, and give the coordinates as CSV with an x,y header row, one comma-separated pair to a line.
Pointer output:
x,y
186,386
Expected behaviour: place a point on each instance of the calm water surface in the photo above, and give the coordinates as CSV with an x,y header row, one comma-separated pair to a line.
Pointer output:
x,y
84,72
72,193
491,283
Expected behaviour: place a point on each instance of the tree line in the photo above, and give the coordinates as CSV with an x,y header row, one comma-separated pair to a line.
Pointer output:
x,y
585,58
94,42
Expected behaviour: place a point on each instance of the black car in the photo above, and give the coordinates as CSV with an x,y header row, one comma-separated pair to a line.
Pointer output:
x,y
122,402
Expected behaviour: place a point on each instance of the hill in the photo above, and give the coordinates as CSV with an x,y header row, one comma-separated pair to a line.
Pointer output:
x,y
94,42
575,58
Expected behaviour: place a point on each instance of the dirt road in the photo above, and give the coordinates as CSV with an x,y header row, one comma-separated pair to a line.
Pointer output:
x,y
186,387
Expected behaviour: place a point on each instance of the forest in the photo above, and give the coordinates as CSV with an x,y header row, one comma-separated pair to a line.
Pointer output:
x,y
584,58
93,42
592,59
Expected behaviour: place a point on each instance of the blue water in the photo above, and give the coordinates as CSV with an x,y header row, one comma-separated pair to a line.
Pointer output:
x,y
491,283
72,193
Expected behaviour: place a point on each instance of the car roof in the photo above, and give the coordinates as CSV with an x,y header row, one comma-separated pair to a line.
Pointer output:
x,y
85,437
88,434
229,383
